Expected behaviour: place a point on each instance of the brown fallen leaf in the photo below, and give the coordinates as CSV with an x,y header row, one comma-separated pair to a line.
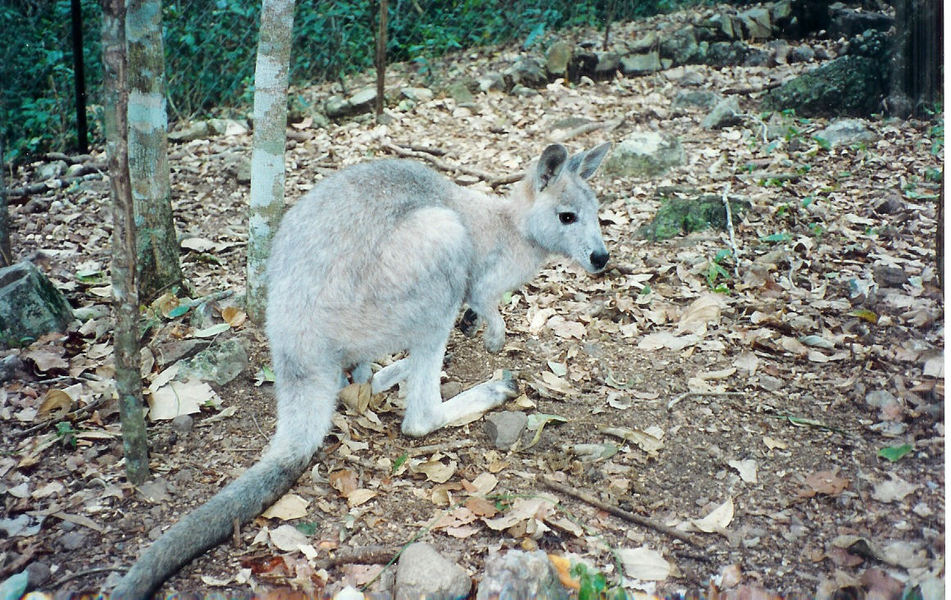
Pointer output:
x,y
823,482
344,481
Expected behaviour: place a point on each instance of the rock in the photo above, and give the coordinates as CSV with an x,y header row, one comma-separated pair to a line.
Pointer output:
x,y
450,389
890,205
491,81
779,50
582,64
183,424
74,540
12,367
880,398
727,25
680,46
423,573
30,305
645,154
845,132
218,364
196,130
522,91
607,65
756,22
362,99
228,127
527,71
848,22
459,92
801,53
699,98
725,54
418,94
644,43
889,276
558,58
724,114
505,428
847,85
39,574
51,170
336,107
640,64
679,216
518,575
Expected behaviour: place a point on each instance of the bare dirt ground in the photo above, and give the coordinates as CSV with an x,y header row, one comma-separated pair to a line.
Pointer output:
x,y
752,418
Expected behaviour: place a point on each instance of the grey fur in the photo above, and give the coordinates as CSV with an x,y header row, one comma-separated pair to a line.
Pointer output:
x,y
377,259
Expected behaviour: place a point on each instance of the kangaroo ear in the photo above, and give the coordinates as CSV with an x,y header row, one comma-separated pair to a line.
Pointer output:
x,y
586,163
550,165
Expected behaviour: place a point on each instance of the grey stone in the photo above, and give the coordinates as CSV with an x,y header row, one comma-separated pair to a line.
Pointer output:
x,y
183,423
39,574
196,130
450,389
640,64
336,106
518,575
724,114
700,98
768,382
607,64
74,540
727,25
417,94
527,71
847,85
643,43
218,364
645,153
459,91
845,132
681,46
228,126
558,58
423,573
30,305
505,428
51,170
491,81
757,24
801,53
362,99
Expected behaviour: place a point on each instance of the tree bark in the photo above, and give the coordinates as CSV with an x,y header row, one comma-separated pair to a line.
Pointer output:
x,y
381,58
916,62
271,74
125,297
79,76
158,266
6,256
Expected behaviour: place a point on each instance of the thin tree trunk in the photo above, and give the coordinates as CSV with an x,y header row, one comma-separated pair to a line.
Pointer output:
x,y
79,76
271,74
158,266
125,297
6,255
381,58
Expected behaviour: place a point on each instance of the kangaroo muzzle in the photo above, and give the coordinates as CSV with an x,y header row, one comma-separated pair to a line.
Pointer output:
x,y
598,259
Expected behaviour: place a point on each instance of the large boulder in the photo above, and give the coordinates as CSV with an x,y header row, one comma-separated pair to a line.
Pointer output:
x,y
423,573
30,305
849,85
645,154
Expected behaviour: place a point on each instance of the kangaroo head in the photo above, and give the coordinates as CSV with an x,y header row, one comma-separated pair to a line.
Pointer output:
x,y
563,218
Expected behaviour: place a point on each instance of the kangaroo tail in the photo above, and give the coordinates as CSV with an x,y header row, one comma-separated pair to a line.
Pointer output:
x,y
212,523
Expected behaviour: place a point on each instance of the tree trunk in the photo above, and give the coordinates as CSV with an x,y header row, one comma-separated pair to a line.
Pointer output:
x,y
157,266
125,297
381,58
267,154
6,255
916,61
79,76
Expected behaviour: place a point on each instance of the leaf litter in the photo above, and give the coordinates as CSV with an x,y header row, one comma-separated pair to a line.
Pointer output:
x,y
809,325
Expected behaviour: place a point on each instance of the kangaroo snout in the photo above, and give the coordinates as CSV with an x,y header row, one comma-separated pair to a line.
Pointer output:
x,y
598,259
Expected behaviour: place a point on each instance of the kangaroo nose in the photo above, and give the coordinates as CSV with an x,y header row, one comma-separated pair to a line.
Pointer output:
x,y
598,259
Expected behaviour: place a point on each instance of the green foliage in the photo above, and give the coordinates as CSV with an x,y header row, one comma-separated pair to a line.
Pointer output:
x,y
210,50
594,585
66,433
894,453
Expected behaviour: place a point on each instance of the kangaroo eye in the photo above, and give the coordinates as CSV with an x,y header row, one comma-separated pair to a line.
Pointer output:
x,y
567,218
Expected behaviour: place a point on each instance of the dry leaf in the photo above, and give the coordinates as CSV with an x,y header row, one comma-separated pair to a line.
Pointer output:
x,y
344,481
181,398
649,440
746,469
823,482
703,311
289,506
718,519
359,496
288,538
563,569
644,564
47,358
356,397
57,402
435,470
234,316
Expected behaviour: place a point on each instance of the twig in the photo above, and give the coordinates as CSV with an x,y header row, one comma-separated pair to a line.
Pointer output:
x,y
671,404
442,165
431,448
567,134
619,512
79,574
36,188
426,149
370,555
729,226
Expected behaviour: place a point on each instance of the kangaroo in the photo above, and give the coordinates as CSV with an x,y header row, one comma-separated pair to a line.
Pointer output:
x,y
379,258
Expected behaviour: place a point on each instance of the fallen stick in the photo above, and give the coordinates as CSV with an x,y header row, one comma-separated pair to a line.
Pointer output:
x,y
442,165
619,512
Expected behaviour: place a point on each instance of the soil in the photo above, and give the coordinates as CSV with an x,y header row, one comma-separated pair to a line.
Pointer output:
x,y
778,374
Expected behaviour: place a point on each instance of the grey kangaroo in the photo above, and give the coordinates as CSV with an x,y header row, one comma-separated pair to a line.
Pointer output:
x,y
379,258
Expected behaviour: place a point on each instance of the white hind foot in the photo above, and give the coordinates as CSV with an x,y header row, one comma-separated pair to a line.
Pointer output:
x,y
465,406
